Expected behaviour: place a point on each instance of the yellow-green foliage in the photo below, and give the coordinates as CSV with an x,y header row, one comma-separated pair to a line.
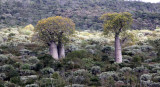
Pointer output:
x,y
29,27
132,37
54,29
129,38
116,22
27,30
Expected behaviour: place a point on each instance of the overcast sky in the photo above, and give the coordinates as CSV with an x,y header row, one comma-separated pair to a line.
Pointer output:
x,y
152,1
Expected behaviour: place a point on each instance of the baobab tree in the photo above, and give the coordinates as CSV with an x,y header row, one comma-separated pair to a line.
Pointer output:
x,y
55,32
116,23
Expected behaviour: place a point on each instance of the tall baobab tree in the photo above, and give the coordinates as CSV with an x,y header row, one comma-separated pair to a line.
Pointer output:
x,y
55,32
116,23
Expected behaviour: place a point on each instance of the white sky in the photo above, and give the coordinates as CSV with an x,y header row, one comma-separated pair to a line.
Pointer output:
x,y
152,1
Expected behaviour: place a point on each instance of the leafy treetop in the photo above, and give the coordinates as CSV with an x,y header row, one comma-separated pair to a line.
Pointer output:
x,y
54,29
116,22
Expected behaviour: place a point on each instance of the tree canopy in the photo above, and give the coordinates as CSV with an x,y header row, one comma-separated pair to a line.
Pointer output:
x,y
54,29
116,22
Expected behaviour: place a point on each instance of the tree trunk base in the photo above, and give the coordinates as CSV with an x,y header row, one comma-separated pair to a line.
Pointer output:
x,y
53,51
118,51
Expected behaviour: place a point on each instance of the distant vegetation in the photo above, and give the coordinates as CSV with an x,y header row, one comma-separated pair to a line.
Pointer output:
x,y
85,13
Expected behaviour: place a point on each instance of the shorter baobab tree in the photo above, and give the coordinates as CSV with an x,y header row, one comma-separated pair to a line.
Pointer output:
x,y
55,32
116,23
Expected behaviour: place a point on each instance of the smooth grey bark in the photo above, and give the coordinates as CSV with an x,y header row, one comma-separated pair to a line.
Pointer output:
x,y
53,50
118,51
61,51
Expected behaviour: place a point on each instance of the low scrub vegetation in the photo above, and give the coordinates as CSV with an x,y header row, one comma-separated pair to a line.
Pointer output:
x,y
89,61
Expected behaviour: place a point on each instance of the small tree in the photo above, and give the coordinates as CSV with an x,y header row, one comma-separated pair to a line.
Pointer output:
x,y
116,23
55,31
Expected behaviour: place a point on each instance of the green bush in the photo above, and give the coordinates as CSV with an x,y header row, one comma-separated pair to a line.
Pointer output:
x,y
107,58
32,85
80,76
15,80
3,76
17,65
26,66
156,79
156,44
30,81
140,69
39,66
27,72
78,54
111,67
94,81
128,52
156,59
47,70
58,65
33,60
120,84
1,39
11,61
10,71
46,82
9,84
55,75
58,80
1,83
107,75
87,63
108,49
126,69
3,58
76,85
11,47
137,59
69,63
25,32
49,82
46,60
155,85
96,70
11,34
71,48
80,72
129,58
145,77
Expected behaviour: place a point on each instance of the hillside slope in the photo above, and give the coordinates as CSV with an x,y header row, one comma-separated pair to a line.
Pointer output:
x,y
88,63
85,13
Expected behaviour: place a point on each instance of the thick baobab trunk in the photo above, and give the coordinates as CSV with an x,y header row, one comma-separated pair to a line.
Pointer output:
x,y
53,50
118,51
61,51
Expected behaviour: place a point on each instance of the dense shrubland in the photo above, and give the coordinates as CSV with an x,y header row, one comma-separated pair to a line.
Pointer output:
x,y
89,60
84,13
